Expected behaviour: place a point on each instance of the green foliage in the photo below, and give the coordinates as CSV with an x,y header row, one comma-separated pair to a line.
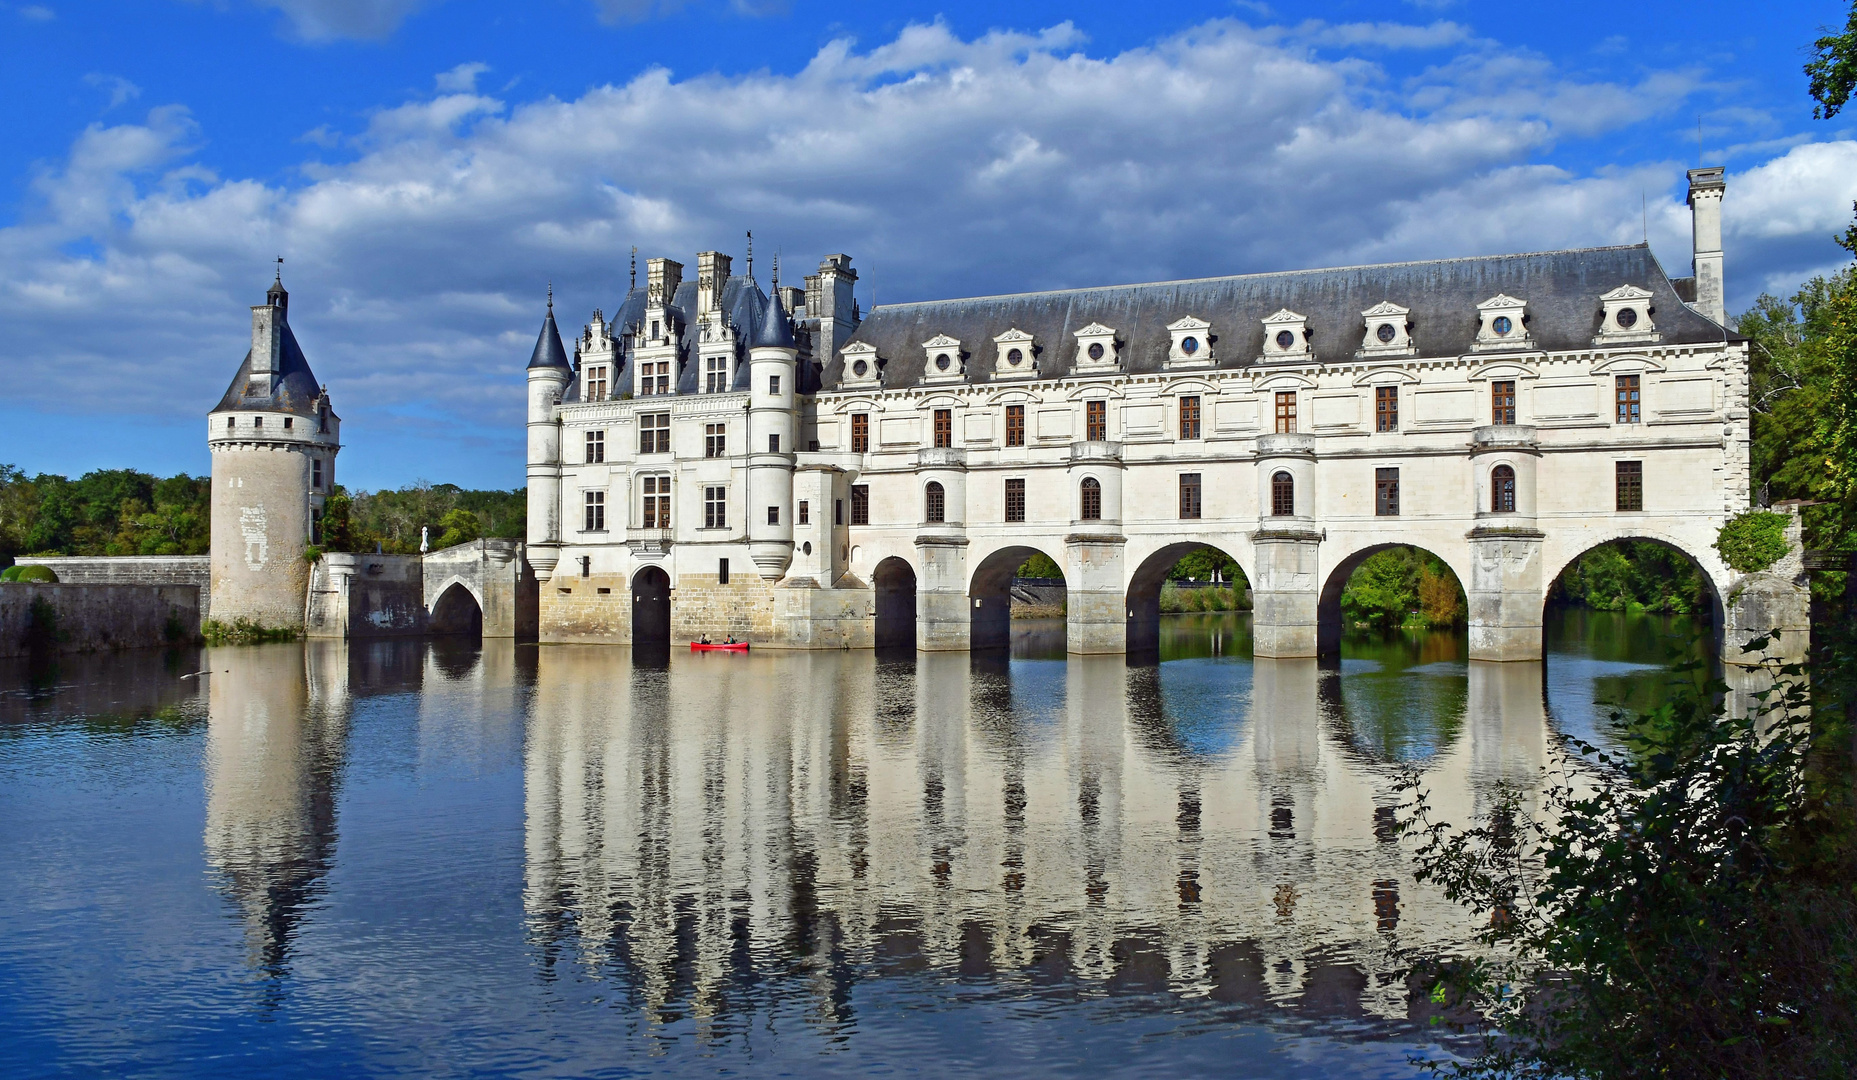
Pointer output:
x,y
1833,69
1402,586
1631,575
243,631
1039,566
312,554
393,519
1682,908
1208,564
459,526
107,512
11,573
1752,541
33,573
1176,600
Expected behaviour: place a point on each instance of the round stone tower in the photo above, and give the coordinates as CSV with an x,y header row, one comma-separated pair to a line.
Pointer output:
x,y
273,439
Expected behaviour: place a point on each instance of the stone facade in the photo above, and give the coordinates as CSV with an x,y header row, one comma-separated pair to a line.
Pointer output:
x,y
1506,413
97,617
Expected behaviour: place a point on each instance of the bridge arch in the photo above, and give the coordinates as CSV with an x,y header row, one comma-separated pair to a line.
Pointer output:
x,y
1143,598
456,609
1716,577
894,582
1328,616
989,594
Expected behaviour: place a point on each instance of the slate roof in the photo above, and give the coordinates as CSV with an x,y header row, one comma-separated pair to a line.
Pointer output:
x,y
548,351
747,307
293,390
1562,289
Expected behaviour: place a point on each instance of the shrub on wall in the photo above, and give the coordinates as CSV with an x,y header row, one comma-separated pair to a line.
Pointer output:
x,y
33,573
1753,541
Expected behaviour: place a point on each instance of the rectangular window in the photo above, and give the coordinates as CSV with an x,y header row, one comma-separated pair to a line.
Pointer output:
x,y
1015,500
654,329
1386,408
596,382
715,508
715,440
838,511
316,474
1286,411
257,421
860,433
596,447
1096,421
773,515
654,377
1189,495
657,504
1630,485
944,427
773,444
1015,425
803,515
287,421
773,386
716,374
1189,417
654,433
722,571
1502,401
1627,395
860,504
596,511
1386,492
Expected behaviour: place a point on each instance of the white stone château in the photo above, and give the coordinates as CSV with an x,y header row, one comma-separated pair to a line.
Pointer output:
x,y
717,460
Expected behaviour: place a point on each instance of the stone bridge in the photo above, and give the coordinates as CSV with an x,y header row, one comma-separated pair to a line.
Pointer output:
x,y
481,587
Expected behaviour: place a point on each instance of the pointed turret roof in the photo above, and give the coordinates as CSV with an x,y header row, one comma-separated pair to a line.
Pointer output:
x,y
776,329
548,351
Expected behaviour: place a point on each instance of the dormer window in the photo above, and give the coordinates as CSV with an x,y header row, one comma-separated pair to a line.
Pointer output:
x,y
1013,350
944,359
654,330
1286,337
1627,317
1096,349
1388,330
596,382
1191,343
1502,323
861,367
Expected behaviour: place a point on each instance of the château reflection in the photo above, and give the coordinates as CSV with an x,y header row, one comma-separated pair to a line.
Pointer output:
x,y
724,828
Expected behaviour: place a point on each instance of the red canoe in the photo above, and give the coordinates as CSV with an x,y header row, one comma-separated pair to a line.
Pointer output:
x,y
739,646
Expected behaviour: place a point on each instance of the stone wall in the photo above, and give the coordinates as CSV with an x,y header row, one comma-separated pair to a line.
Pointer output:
x,y
359,596
195,570
93,617
498,577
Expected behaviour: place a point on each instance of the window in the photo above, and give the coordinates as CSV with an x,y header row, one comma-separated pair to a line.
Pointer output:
x,y
287,422
1090,500
773,386
1502,401
1502,490
596,447
1386,492
232,422
838,511
715,507
654,329
944,427
860,433
715,440
1189,417
654,377
1282,495
722,571
1189,495
1015,425
596,512
1015,500
716,374
1096,421
316,474
1627,396
860,504
257,421
1286,411
596,382
773,444
773,515
657,505
935,503
803,516
1386,408
1631,485
654,433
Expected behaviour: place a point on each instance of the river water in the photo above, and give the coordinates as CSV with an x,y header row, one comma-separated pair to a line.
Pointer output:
x,y
431,859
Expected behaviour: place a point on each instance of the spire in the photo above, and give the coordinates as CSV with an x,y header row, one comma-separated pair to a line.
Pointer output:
x,y
276,296
548,351
750,254
776,273
631,284
776,330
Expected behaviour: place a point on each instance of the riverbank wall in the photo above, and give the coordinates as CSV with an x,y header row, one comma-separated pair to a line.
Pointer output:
x,y
194,570
65,617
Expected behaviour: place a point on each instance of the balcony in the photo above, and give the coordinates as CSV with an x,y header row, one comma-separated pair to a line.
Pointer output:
x,y
649,541
941,457
1095,450
1286,444
1504,437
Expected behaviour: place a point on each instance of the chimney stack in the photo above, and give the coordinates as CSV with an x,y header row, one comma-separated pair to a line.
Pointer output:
x,y
712,274
1706,187
662,277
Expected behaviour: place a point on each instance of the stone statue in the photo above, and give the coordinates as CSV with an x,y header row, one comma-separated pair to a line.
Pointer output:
x,y
424,543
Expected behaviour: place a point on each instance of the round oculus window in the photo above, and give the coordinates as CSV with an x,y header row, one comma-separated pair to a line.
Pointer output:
x,y
1096,350
942,362
860,368
1286,340
1189,345
1626,318
807,547
1502,325
1014,357
1386,333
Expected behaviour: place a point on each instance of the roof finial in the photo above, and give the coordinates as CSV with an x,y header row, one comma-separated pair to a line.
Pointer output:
x,y
751,254
632,283
776,269
279,279
551,296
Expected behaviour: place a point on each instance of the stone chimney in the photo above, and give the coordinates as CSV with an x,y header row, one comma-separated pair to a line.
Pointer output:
x,y
662,277
712,273
829,299
1706,187
267,345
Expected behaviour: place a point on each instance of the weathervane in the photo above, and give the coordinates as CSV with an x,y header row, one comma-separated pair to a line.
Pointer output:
x,y
280,269
632,282
750,253
551,296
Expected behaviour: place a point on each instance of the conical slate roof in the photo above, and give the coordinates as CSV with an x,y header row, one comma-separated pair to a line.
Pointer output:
x,y
776,329
548,351
293,389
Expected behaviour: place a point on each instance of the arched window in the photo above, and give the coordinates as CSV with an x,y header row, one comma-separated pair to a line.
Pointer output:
x,y
1283,495
1502,490
1091,492
936,503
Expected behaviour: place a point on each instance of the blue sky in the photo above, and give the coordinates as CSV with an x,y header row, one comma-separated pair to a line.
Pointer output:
x,y
426,166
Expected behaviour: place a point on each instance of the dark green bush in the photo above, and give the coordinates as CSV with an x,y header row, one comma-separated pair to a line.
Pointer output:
x,y
35,573
1753,541
11,573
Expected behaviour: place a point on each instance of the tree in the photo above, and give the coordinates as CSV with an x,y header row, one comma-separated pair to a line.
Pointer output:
x,y
457,527
1833,69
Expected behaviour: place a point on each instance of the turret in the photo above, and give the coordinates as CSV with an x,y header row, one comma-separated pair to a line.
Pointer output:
x,y
1706,188
549,375
772,423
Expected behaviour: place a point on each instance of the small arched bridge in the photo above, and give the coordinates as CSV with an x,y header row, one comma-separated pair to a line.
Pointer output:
x,y
480,588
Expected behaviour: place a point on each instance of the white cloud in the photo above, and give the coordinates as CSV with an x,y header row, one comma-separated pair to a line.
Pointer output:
x,y
324,20
945,166
37,13
121,90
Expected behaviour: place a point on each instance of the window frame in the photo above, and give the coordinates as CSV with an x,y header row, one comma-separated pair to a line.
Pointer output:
x,y
715,506
1386,408
716,374
654,433
593,504
1096,421
860,504
1502,402
802,513
1189,416
1502,489
1628,487
1628,399
860,433
1282,494
716,440
1090,499
944,428
655,509
1192,496
934,503
1285,412
1386,491
595,443
1015,500
1015,425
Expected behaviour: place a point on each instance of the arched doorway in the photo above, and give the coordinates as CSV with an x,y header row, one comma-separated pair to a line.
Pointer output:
x,y
456,612
651,610
1197,565
895,585
990,593
1400,586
